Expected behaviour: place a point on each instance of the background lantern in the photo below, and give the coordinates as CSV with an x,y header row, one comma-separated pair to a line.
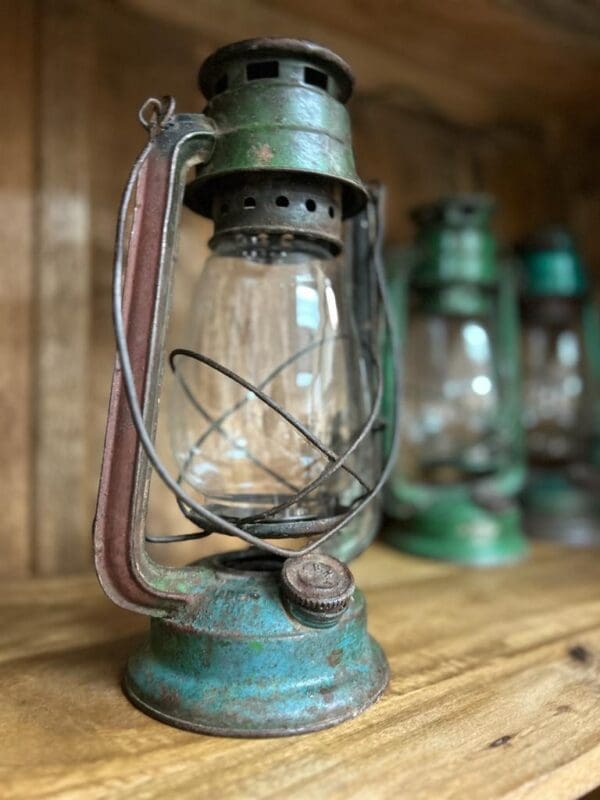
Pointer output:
x,y
561,390
459,467
270,422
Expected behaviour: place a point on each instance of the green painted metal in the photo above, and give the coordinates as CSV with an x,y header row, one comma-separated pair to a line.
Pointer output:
x,y
238,664
556,508
461,300
454,244
280,123
453,270
459,530
552,265
591,332
556,505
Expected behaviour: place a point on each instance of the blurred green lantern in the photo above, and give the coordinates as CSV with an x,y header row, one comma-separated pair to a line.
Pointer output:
x,y
460,465
561,380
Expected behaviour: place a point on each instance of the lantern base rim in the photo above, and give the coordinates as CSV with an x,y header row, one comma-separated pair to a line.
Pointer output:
x,y
557,509
580,531
236,663
474,538
245,733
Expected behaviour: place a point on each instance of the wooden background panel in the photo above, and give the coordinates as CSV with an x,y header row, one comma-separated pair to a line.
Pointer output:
x,y
162,61
475,62
17,78
438,108
63,300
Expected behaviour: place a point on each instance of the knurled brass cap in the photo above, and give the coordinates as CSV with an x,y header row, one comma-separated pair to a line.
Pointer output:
x,y
317,582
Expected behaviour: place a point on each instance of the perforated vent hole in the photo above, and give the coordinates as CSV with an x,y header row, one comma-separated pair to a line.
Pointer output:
x,y
262,69
310,205
314,77
282,201
249,202
331,212
222,84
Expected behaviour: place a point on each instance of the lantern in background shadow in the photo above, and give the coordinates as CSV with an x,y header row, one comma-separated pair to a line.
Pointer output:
x,y
273,409
360,249
452,493
561,391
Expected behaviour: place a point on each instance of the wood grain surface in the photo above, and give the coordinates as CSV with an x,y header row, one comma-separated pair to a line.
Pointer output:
x,y
17,44
495,693
61,516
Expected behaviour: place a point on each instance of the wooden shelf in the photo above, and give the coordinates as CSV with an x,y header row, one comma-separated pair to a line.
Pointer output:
x,y
472,63
495,692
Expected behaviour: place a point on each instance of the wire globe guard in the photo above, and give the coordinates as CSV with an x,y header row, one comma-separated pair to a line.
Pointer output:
x,y
224,655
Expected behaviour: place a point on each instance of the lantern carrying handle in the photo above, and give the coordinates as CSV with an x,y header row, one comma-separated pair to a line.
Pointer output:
x,y
140,306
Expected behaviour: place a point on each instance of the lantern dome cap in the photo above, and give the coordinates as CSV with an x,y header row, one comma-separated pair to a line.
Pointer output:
x,y
455,210
278,107
275,48
553,237
552,265
455,248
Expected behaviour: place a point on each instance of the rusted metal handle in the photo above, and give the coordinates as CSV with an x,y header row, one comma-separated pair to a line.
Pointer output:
x,y
127,574
141,308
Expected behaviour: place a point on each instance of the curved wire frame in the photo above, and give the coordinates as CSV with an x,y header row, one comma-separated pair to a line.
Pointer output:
x,y
200,514
216,425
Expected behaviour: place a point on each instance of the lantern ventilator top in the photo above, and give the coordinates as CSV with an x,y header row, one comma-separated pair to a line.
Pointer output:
x,y
280,163
552,266
455,263
283,156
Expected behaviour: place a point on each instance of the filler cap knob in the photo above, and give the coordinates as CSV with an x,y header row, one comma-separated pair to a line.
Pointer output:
x,y
317,587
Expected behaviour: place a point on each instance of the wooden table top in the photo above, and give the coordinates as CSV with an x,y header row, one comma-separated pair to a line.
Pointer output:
x,y
495,692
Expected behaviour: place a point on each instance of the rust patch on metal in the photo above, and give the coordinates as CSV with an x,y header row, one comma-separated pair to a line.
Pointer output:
x,y
326,694
334,658
263,153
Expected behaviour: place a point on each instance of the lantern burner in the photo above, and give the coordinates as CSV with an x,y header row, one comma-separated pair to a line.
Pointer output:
x,y
288,61
308,207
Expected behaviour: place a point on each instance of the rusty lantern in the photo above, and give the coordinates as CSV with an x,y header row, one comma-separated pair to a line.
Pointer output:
x,y
275,399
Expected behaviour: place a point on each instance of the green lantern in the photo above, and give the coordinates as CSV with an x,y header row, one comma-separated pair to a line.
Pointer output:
x,y
460,467
561,380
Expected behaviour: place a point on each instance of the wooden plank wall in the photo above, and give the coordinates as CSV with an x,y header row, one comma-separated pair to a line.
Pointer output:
x,y
63,280
16,288
74,76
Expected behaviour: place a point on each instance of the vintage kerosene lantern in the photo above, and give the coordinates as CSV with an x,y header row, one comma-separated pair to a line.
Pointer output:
x,y
452,492
561,391
274,403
